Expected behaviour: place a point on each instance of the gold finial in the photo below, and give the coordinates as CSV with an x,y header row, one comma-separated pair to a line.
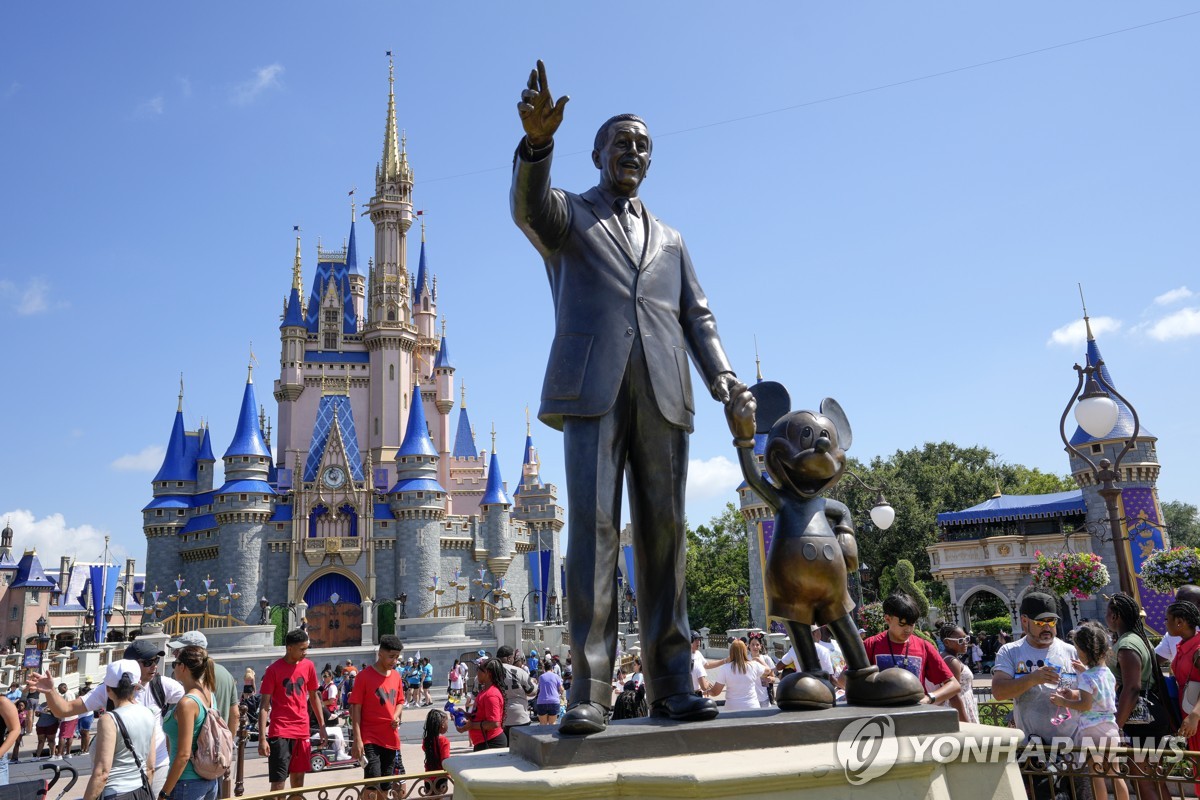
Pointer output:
x,y
528,429
180,407
347,383
493,436
757,362
297,283
443,326
463,393
422,231
1086,322
352,215
250,366
322,380
998,492
262,417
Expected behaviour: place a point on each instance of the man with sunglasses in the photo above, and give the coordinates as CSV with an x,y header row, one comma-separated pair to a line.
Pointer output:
x,y
156,692
1028,670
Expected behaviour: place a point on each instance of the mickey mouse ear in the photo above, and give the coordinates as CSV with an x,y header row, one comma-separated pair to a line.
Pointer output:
x,y
832,410
773,402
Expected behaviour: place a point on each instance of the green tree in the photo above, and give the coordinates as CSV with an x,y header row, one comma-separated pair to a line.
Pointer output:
x,y
1182,522
922,482
718,564
906,582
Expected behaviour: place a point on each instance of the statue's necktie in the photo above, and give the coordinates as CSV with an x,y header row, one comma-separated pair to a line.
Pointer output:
x,y
630,224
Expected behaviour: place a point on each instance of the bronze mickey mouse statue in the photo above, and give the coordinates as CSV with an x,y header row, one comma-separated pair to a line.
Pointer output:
x,y
813,546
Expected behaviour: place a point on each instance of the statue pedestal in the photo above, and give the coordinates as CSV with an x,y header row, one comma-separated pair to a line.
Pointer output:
x,y
752,754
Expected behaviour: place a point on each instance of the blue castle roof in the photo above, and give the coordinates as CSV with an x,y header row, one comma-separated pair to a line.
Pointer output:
x,y
293,316
464,440
206,452
339,272
1124,427
422,277
169,501
179,464
30,573
494,493
334,407
247,486
248,438
1010,507
416,436
352,253
443,357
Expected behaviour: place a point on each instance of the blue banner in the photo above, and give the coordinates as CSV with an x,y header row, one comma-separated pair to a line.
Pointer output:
x,y
535,582
104,581
544,577
629,579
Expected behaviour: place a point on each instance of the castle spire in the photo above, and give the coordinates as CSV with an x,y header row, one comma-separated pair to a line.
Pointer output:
x,y
416,436
1087,323
297,280
293,311
390,165
180,406
757,362
248,438
494,493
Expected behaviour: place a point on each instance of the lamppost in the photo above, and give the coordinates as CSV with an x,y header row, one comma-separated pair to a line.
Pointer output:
x,y
180,593
208,592
89,628
537,595
43,640
627,606
403,598
1096,413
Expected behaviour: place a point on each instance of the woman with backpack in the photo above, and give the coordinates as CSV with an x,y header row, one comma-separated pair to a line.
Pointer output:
x,y
123,761
195,670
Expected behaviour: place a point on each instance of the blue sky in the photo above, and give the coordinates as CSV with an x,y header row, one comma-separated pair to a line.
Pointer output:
x,y
910,247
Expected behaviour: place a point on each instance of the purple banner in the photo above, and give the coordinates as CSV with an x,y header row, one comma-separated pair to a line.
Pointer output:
x,y
766,530
1144,528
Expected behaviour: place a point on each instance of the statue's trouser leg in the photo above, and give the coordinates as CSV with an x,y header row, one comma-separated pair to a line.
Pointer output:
x,y
846,633
806,648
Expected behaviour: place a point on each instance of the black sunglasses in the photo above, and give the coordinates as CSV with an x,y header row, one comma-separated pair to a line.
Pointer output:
x,y
148,662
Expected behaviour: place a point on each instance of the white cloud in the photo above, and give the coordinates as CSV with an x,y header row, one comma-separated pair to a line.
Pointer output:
x,y
150,108
148,460
714,479
1174,296
1075,333
264,78
54,538
1183,323
32,298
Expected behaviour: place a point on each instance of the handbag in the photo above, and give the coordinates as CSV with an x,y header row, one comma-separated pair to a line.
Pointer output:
x,y
145,792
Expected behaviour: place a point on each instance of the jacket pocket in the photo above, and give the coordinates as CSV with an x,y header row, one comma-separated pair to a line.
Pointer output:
x,y
685,378
568,366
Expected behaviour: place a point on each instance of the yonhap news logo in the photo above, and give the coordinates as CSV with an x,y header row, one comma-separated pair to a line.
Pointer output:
x,y
869,747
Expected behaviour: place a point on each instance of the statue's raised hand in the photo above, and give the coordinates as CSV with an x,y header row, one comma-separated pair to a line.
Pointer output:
x,y
540,115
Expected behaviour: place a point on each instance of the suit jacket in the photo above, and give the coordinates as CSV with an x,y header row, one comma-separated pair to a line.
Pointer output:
x,y
605,295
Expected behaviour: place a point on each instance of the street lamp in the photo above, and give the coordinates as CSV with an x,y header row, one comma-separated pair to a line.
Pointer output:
x,y
537,595
43,639
1096,413
403,598
89,629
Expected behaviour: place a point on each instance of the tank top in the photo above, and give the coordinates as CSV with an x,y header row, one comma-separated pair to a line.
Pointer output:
x,y
171,729
124,775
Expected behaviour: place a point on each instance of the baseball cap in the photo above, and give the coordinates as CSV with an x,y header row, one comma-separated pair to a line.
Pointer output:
x,y
1038,605
126,666
189,639
504,651
696,635
143,650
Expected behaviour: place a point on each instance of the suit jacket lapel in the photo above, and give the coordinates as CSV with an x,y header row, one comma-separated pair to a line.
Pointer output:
x,y
654,238
608,220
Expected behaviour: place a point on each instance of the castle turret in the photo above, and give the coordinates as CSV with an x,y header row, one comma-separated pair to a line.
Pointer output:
x,y
495,527
242,507
358,282
536,504
173,486
417,501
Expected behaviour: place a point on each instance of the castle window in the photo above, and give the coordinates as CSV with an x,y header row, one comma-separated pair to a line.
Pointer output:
x,y
266,498
330,341
1097,449
377,426
391,372
179,513
158,512
391,315
331,316
179,483
14,612
383,524
243,497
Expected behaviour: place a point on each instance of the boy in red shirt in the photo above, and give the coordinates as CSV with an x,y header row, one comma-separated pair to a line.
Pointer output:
x,y
289,691
376,704
898,647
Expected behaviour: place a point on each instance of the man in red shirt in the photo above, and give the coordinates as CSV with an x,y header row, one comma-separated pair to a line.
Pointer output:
x,y
289,691
898,647
376,704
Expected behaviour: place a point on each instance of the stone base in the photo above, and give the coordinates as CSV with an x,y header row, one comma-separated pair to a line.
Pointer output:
x,y
780,760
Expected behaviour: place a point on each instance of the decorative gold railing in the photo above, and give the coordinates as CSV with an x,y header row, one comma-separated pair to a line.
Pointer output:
x,y
177,624
995,712
479,610
429,785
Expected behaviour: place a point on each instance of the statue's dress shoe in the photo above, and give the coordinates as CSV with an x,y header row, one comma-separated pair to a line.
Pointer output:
x,y
805,691
582,719
894,686
684,707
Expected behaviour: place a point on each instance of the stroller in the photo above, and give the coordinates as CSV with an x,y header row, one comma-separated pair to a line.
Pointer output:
x,y
42,787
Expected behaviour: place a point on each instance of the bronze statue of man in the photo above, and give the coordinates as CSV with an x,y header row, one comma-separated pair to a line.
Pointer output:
x,y
628,310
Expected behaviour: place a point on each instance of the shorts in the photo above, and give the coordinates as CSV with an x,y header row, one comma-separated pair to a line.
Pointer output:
x,y
288,757
66,729
1099,735
378,761
546,709
86,722
47,730
426,684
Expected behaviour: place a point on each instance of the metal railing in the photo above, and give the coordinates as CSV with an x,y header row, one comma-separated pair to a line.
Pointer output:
x,y
477,610
429,785
177,624
1061,774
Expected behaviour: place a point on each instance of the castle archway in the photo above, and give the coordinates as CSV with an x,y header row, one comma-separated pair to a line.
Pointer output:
x,y
335,617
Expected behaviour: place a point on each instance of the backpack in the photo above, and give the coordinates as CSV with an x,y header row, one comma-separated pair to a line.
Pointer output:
x,y
160,696
212,752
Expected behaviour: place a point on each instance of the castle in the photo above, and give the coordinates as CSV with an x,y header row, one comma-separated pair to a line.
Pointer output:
x,y
370,493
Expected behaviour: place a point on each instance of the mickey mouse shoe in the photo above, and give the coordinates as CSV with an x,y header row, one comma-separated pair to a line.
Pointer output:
x,y
894,686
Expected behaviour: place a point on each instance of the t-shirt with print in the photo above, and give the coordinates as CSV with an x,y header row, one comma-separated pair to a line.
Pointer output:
x,y
288,686
1100,683
378,694
1032,709
917,655
517,688
97,700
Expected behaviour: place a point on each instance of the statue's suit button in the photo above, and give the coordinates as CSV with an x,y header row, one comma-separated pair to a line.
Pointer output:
x,y
810,551
827,551
642,300
629,331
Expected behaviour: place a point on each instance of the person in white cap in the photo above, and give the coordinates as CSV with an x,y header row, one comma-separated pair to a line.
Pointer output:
x,y
225,696
155,692
116,769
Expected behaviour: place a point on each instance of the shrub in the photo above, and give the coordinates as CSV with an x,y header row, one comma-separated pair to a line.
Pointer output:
x,y
987,627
